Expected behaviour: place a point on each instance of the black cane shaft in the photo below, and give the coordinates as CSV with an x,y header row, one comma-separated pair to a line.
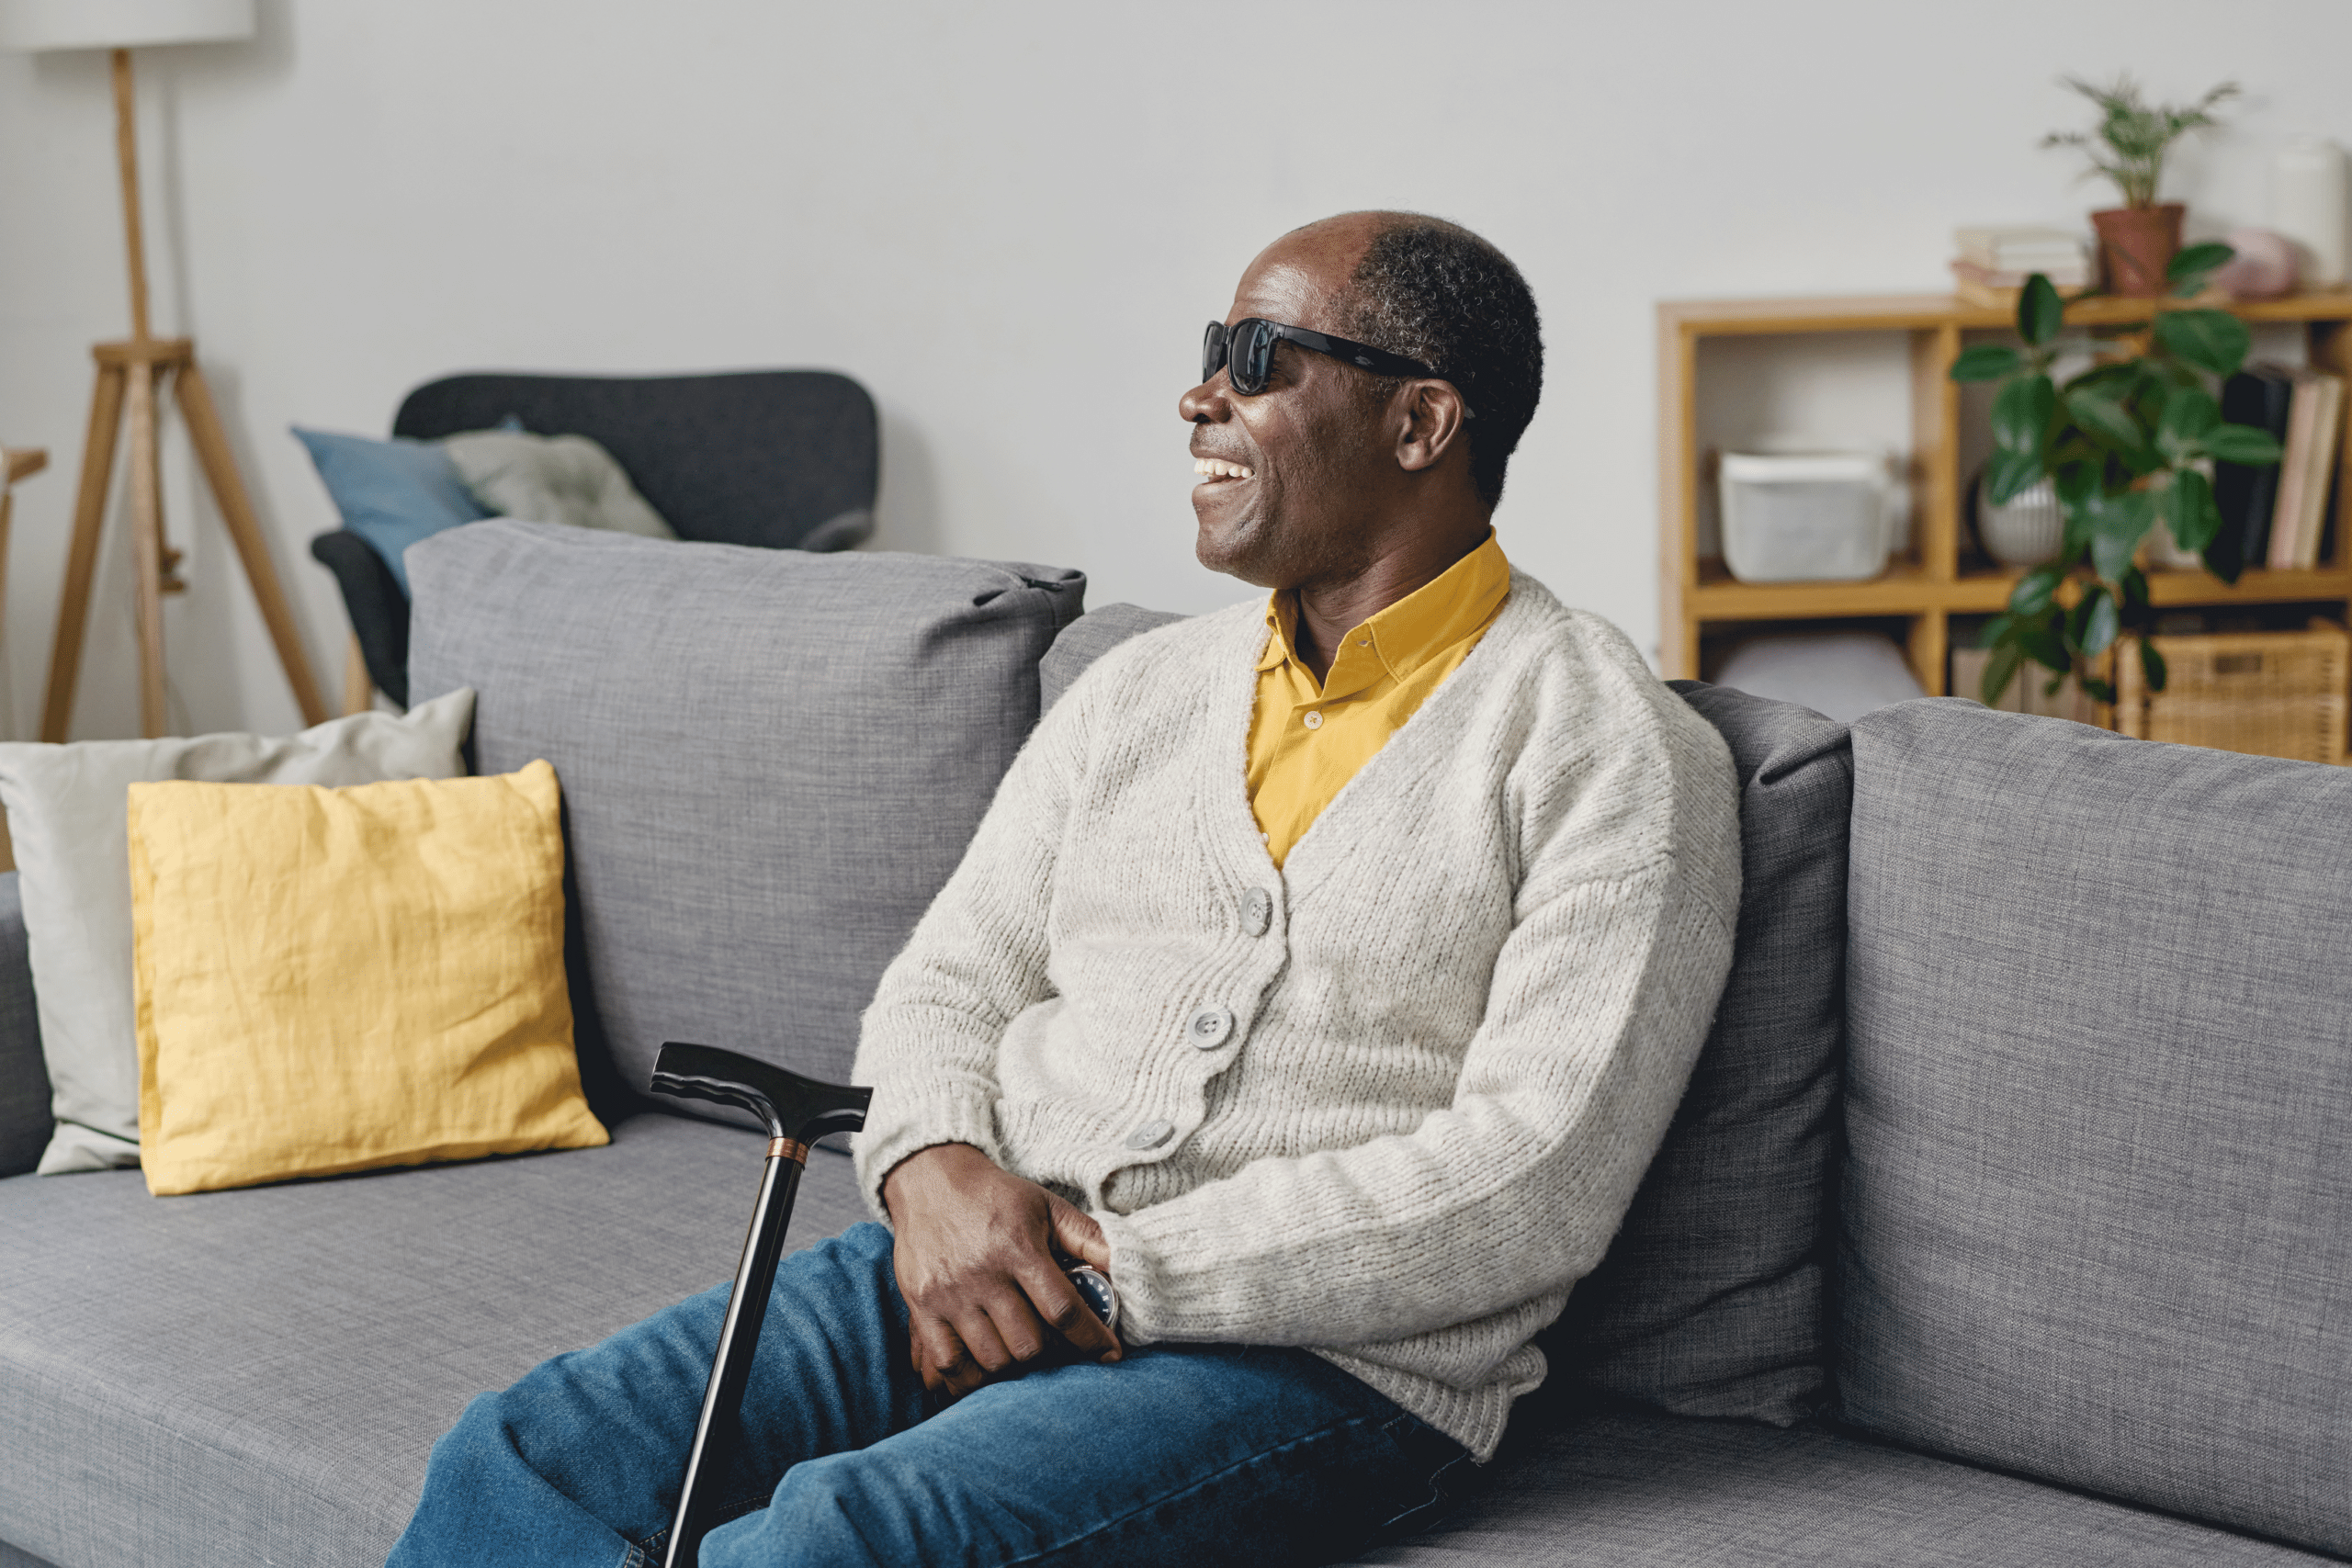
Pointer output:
x,y
730,1367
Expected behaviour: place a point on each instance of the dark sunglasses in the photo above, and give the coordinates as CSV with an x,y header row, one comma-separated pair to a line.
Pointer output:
x,y
1246,350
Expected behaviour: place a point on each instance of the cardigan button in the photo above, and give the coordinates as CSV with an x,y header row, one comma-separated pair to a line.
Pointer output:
x,y
1151,1135
1256,911
1209,1027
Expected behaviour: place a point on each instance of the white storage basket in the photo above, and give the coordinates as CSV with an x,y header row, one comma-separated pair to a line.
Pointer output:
x,y
1804,517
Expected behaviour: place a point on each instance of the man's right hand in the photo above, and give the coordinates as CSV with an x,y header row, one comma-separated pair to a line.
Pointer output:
x,y
975,1261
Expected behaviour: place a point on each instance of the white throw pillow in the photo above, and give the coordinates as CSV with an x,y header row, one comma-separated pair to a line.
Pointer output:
x,y
552,478
67,814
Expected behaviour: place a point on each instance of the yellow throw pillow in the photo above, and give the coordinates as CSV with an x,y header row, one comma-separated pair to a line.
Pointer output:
x,y
332,980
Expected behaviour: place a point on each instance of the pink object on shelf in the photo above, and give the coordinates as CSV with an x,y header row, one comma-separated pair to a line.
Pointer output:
x,y
2264,267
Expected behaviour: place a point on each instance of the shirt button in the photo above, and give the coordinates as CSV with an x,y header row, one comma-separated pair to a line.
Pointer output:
x,y
1256,911
1209,1027
1314,721
1151,1135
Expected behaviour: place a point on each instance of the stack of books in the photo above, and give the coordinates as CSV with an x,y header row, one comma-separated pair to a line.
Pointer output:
x,y
1994,262
2280,514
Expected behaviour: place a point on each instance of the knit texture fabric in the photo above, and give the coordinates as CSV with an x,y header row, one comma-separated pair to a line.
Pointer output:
x,y
1389,1102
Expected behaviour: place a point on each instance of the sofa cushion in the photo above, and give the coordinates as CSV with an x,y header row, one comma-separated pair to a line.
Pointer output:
x,y
65,816
2098,1209
25,1123
1711,1300
552,478
391,493
334,980
1626,1490
771,761
256,1376
1087,638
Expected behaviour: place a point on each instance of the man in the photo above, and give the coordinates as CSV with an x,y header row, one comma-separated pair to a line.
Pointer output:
x,y
1324,974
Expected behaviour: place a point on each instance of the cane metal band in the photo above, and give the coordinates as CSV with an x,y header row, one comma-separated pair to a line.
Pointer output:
x,y
786,1149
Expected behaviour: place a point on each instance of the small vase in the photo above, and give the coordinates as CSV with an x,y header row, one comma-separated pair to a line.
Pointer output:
x,y
2137,244
2026,531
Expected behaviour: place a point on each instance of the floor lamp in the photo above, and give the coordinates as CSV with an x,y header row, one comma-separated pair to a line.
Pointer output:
x,y
133,375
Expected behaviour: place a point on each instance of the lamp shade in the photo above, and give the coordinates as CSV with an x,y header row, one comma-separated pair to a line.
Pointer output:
x,y
37,24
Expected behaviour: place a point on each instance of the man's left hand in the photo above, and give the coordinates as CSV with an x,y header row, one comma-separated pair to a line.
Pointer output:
x,y
975,1261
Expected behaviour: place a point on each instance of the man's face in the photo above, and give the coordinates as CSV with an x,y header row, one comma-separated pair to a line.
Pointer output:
x,y
1314,446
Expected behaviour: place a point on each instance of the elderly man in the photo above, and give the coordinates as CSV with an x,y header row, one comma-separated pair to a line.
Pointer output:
x,y
1325,973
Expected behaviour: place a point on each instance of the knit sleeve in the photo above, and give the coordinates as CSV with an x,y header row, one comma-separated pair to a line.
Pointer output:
x,y
1599,1002
928,1042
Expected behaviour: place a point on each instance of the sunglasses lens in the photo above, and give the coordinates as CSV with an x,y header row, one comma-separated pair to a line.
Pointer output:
x,y
1212,350
1252,352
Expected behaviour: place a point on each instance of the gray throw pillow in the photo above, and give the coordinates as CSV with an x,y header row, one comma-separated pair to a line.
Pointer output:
x,y
67,808
552,478
1087,638
772,761
1713,1299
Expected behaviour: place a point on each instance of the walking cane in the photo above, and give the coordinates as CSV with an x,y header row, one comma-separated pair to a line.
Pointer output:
x,y
797,1111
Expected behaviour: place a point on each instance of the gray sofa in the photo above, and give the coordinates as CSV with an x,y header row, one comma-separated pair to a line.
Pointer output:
x,y
2007,1220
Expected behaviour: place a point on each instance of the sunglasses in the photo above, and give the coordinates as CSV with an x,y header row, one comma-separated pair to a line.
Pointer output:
x,y
1246,351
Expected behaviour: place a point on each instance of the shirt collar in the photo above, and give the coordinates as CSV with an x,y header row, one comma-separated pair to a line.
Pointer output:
x,y
1408,634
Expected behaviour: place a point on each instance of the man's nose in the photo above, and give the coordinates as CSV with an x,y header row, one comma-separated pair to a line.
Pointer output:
x,y
1212,401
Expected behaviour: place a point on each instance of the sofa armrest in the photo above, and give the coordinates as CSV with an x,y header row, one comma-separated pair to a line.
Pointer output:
x,y
24,1124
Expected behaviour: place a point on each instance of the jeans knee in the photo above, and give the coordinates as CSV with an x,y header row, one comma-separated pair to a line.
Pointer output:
x,y
482,1438
842,1511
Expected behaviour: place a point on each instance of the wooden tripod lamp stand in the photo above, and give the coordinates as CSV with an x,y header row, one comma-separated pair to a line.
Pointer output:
x,y
134,374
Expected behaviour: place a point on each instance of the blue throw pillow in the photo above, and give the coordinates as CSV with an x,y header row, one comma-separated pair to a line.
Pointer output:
x,y
391,493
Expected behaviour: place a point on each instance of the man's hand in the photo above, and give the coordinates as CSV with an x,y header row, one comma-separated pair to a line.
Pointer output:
x,y
975,1261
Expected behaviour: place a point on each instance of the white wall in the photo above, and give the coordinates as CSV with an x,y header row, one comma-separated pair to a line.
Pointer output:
x,y
1008,221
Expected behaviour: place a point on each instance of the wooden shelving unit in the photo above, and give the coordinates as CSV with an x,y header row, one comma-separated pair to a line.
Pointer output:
x,y
1932,582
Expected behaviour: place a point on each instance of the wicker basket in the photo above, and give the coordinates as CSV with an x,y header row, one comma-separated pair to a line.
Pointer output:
x,y
2270,693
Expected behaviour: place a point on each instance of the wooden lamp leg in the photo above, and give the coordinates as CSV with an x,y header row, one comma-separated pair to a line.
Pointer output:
x,y
211,443
147,539
82,558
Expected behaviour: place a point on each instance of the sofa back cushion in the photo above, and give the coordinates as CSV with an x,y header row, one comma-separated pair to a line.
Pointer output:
x,y
2098,1208
1087,638
1711,1301
771,761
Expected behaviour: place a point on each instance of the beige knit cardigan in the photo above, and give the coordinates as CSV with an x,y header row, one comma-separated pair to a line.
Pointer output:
x,y
1389,1102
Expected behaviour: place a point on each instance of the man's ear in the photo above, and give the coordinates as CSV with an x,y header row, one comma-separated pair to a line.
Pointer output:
x,y
1433,413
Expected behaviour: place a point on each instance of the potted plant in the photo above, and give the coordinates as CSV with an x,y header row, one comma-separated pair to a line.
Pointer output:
x,y
2138,239
2125,443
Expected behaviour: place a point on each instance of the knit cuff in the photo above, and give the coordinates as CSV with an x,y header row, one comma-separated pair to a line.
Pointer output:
x,y
1152,1283
909,1121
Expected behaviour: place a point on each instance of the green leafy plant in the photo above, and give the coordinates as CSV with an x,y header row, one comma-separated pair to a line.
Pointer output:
x,y
2133,136
2126,443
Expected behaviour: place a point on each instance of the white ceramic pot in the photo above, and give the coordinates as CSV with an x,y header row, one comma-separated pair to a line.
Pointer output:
x,y
2025,532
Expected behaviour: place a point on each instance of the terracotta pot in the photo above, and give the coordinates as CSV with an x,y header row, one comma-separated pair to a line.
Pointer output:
x,y
2135,244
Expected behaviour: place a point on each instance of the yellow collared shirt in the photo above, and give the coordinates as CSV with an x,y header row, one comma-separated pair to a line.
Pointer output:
x,y
1308,738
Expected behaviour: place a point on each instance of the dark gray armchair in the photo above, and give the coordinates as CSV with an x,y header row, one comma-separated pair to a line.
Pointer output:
x,y
781,459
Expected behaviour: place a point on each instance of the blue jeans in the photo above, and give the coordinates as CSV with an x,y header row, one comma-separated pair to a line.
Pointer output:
x,y
1178,1454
